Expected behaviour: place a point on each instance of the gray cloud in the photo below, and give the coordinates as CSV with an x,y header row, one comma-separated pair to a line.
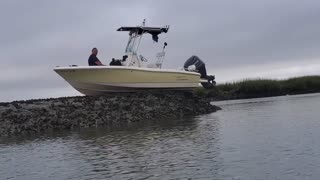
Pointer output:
x,y
36,36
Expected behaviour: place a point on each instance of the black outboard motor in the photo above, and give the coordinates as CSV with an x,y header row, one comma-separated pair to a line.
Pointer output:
x,y
194,63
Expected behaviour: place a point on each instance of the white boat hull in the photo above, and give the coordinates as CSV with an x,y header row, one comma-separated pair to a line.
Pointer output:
x,y
99,80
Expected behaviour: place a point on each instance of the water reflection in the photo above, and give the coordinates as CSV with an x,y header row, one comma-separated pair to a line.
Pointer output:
x,y
276,138
178,148
158,150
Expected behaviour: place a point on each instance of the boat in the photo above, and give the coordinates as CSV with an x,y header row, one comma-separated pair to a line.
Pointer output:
x,y
135,73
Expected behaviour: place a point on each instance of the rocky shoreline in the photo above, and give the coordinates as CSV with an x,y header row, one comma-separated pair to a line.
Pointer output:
x,y
115,109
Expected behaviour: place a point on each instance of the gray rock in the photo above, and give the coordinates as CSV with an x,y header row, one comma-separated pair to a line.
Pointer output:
x,y
114,109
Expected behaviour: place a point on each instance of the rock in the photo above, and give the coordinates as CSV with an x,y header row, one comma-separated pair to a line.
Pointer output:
x,y
86,111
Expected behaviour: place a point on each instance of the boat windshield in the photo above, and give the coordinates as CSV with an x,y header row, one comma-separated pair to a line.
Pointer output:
x,y
130,45
133,43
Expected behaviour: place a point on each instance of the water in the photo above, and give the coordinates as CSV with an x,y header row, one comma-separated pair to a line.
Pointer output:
x,y
267,138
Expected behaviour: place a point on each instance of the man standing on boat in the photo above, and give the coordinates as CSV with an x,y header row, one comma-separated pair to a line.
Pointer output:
x,y
93,60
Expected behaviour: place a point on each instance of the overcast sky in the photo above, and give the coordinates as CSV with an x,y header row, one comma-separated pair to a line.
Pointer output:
x,y
236,39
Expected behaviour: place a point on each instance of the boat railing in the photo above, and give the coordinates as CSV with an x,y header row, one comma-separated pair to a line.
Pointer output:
x,y
143,58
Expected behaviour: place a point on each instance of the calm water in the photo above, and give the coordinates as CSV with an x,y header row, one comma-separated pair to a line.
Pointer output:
x,y
268,138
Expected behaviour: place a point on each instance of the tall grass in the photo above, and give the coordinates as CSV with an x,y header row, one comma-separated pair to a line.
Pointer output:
x,y
252,88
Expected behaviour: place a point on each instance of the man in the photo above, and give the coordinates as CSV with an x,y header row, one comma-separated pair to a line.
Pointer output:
x,y
93,60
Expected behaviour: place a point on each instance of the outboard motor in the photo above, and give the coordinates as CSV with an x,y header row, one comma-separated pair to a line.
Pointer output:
x,y
195,64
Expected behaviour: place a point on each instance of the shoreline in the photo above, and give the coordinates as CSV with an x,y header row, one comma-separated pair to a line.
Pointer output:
x,y
116,109
258,88
257,97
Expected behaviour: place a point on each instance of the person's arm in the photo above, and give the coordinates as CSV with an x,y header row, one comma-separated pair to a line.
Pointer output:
x,y
98,63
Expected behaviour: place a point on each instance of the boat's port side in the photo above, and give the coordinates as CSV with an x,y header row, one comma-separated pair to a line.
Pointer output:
x,y
95,81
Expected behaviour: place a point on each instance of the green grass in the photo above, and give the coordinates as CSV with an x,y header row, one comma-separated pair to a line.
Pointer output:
x,y
253,88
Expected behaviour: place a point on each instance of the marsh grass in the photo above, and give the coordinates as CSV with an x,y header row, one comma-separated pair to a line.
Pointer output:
x,y
253,88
